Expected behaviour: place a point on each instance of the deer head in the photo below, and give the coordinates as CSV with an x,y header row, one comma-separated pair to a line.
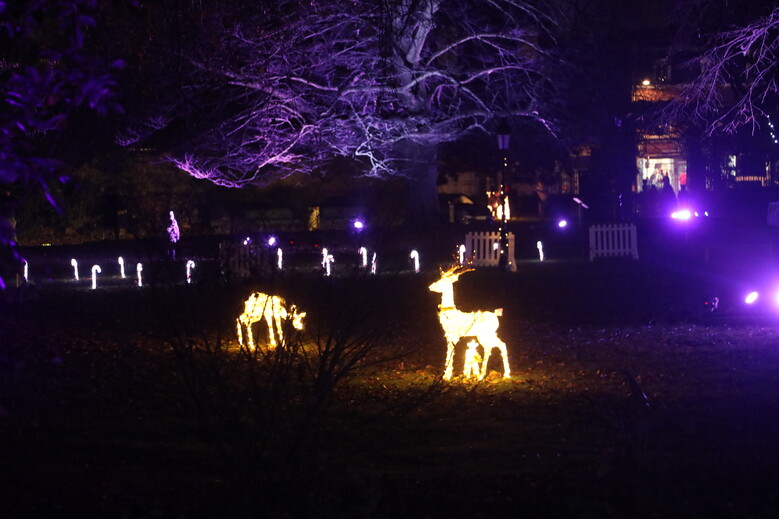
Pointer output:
x,y
448,278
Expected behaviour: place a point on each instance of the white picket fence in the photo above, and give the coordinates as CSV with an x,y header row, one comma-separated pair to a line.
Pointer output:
x,y
613,240
482,249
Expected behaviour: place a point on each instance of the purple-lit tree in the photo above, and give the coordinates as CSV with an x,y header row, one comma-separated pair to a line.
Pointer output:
x,y
737,84
285,87
51,88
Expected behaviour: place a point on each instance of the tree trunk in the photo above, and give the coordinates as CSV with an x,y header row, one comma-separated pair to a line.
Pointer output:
x,y
422,208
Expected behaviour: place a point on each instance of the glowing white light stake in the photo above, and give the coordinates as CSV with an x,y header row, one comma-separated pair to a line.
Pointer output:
x,y
328,260
324,256
275,311
373,263
121,266
26,271
364,255
138,270
540,247
461,250
74,264
481,325
95,271
415,256
279,258
190,266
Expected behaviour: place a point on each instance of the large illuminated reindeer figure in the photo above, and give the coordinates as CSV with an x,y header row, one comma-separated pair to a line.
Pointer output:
x,y
456,324
274,310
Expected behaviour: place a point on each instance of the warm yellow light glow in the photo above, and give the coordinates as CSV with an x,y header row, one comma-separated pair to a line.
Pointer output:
x,y
646,82
274,310
481,325
473,361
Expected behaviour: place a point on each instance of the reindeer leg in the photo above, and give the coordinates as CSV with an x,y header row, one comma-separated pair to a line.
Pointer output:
x,y
449,370
239,332
271,332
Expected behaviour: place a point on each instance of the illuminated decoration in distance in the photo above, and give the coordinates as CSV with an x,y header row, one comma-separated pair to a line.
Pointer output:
x,y
190,266
562,224
74,264
173,229
327,260
121,266
26,271
363,256
751,298
415,258
325,254
482,325
139,274
275,311
95,271
461,253
272,241
279,259
247,241
358,225
374,262
540,247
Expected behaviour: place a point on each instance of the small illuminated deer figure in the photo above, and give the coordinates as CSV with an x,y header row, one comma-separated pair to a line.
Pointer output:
x,y
456,324
274,310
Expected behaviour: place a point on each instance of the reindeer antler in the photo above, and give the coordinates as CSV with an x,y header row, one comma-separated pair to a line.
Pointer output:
x,y
455,271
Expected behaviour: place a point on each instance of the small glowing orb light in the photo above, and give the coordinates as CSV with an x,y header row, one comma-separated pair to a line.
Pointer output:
x,y
540,247
121,266
562,224
95,271
374,262
275,311
74,264
190,266
359,225
461,252
26,271
272,241
138,272
363,256
415,258
682,215
481,325
279,259
247,241
173,229
751,298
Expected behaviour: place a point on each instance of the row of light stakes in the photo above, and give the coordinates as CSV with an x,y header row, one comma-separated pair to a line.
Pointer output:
x,y
190,266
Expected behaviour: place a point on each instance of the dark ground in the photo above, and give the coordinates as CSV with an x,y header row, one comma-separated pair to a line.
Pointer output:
x,y
98,418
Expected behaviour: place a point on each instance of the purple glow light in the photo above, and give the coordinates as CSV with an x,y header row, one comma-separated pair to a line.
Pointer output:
x,y
562,224
751,298
359,225
683,214
272,241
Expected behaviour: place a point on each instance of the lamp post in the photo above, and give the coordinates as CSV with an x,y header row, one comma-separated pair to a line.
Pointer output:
x,y
504,137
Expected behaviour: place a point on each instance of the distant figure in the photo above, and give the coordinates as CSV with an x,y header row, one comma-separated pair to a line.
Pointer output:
x,y
668,196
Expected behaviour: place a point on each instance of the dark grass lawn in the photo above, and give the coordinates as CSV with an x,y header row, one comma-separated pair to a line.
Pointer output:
x,y
98,420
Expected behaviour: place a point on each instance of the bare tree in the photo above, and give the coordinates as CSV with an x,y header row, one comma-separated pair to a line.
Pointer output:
x,y
737,83
285,87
